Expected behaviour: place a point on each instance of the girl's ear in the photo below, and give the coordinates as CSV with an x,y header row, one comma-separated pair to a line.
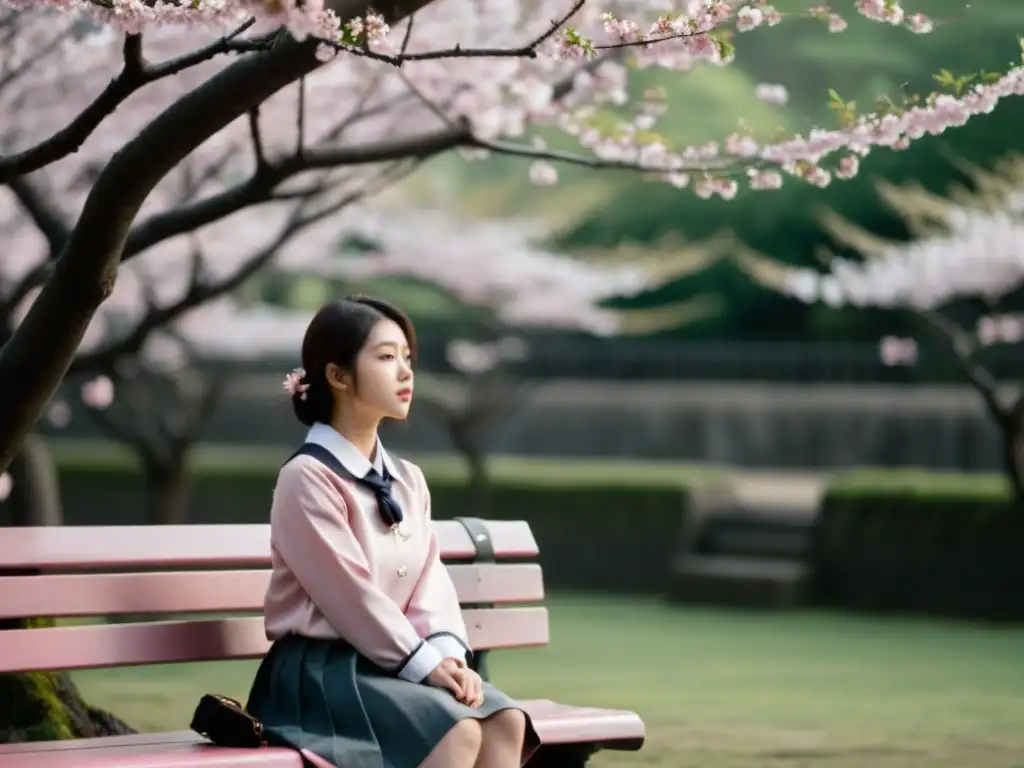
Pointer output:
x,y
337,378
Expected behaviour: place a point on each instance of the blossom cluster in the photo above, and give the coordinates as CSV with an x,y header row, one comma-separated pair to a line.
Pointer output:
x,y
500,266
500,96
978,256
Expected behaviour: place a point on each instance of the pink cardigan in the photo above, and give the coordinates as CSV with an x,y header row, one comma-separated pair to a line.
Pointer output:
x,y
339,573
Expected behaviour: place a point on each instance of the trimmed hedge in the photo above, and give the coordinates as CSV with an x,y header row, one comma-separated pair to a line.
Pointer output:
x,y
601,525
939,543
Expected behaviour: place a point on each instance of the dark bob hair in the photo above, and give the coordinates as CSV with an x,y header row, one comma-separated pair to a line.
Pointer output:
x,y
336,334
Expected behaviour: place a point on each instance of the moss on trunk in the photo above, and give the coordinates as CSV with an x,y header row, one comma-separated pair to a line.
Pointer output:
x,y
45,706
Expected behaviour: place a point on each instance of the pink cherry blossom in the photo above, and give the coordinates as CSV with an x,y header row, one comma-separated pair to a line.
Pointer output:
x,y
293,383
499,266
898,351
772,93
472,358
749,18
98,393
848,167
978,256
572,68
999,329
543,174
59,414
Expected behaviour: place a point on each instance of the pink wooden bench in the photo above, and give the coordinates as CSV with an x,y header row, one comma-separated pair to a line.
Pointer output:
x,y
218,569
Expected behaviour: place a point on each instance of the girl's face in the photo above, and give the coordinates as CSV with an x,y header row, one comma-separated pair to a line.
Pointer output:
x,y
383,380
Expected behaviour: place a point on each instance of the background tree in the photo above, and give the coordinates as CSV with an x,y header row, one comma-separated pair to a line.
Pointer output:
x,y
554,64
960,278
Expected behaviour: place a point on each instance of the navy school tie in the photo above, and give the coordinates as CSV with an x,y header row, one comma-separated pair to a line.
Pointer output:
x,y
387,505
390,510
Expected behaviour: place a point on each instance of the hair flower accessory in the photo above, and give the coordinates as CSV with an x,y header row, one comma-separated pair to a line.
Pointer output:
x,y
293,383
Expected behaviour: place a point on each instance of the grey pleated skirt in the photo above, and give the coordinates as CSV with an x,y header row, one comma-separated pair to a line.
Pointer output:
x,y
322,696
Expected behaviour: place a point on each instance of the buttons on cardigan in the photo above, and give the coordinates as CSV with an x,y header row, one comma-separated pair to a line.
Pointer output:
x,y
402,572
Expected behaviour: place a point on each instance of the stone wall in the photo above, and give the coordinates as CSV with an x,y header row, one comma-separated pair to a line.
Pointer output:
x,y
751,425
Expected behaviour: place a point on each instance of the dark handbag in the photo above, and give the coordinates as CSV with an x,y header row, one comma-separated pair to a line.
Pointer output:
x,y
226,723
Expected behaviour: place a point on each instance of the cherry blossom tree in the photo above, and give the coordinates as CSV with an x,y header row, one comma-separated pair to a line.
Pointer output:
x,y
162,402
172,267
420,77
137,359
961,276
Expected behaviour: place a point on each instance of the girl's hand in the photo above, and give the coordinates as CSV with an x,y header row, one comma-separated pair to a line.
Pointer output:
x,y
442,677
472,687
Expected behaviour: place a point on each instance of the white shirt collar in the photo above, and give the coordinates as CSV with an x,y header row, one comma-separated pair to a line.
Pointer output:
x,y
345,452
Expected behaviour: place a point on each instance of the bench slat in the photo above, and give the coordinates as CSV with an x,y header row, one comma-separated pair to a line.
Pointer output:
x,y
101,594
609,728
182,755
106,645
239,546
555,724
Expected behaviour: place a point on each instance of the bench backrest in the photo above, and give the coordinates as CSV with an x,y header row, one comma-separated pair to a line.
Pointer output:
x,y
216,569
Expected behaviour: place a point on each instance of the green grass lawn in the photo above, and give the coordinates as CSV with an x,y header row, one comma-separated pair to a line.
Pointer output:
x,y
724,690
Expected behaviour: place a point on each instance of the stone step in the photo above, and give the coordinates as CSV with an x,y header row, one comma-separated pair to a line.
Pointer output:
x,y
748,582
755,535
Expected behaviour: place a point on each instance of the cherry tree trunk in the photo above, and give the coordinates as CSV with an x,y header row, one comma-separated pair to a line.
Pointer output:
x,y
35,497
473,454
166,502
41,706
166,489
1013,460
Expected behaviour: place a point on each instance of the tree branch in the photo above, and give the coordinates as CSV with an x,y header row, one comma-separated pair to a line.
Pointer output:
x,y
201,410
44,269
199,292
260,187
300,119
42,348
44,215
528,51
41,53
980,378
134,75
571,158
116,430
460,127
257,140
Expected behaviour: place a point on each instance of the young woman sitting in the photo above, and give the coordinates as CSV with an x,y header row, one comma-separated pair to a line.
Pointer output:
x,y
368,665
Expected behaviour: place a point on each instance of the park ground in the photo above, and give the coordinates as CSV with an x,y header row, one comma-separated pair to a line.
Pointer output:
x,y
722,689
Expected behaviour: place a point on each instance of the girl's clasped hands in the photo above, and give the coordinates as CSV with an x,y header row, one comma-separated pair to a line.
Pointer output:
x,y
463,683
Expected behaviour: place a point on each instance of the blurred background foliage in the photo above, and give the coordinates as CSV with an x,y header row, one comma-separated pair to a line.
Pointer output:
x,y
593,212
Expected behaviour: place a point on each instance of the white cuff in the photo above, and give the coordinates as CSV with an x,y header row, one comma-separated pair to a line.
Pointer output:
x,y
448,646
420,664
